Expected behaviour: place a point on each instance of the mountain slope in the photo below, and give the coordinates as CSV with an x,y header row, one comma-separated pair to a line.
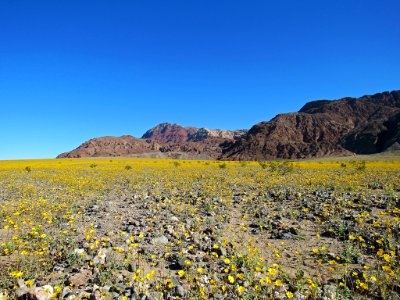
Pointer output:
x,y
164,140
369,124
112,146
174,133
169,133
320,128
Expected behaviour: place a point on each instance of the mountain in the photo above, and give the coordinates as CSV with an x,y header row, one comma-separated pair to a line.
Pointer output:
x,y
204,133
169,133
113,146
365,125
176,134
163,140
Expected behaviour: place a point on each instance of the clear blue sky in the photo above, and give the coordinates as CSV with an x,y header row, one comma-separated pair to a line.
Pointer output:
x,y
74,70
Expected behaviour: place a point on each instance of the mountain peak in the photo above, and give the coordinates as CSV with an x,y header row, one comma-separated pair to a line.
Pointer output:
x,y
369,124
169,133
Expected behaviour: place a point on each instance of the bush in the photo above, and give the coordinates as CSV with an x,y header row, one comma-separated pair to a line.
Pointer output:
x,y
263,164
222,166
281,167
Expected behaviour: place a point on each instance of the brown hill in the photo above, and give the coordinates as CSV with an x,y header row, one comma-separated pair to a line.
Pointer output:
x,y
364,125
177,134
196,142
349,125
164,140
112,146
169,133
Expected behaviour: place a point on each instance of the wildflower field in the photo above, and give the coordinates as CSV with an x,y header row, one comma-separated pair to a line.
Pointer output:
x,y
168,229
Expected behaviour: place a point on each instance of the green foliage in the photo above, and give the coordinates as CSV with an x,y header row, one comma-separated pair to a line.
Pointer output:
x,y
222,166
281,167
350,253
263,164
359,165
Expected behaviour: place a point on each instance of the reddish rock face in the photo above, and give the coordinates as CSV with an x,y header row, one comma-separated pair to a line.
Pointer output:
x,y
112,146
167,140
369,124
169,133
177,134
321,128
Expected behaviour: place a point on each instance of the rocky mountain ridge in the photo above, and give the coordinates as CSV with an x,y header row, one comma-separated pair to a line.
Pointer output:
x,y
163,140
113,146
174,133
365,125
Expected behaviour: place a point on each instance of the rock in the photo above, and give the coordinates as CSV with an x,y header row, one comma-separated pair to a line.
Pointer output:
x,y
323,128
162,240
129,228
79,251
95,295
37,293
58,268
154,296
66,292
179,291
330,292
170,230
21,283
277,296
299,296
174,219
100,258
129,291
285,236
80,279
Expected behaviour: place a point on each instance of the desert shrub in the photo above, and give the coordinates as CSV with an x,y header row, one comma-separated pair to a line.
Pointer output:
x,y
359,166
280,167
263,164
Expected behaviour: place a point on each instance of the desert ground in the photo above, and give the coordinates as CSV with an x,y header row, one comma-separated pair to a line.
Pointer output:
x,y
118,228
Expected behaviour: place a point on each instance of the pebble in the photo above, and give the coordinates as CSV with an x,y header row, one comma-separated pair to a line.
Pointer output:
x,y
37,293
160,240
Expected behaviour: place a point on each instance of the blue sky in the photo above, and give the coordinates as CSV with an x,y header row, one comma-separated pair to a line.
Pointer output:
x,y
74,70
